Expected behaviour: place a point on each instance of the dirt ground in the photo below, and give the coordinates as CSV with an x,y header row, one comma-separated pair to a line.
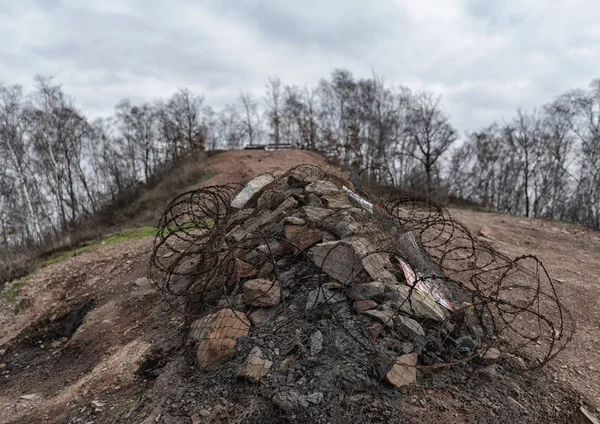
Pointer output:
x,y
93,336
571,254
239,166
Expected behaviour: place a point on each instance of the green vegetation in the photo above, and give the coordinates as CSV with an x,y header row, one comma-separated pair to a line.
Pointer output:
x,y
125,235
129,406
15,289
12,295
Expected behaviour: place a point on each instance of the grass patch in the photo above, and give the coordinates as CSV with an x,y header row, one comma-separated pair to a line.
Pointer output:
x,y
132,234
125,235
129,406
13,292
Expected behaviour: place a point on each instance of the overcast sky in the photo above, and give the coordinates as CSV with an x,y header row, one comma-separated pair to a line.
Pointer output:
x,y
485,57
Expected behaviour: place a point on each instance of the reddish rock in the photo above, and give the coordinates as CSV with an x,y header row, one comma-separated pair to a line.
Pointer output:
x,y
217,335
244,269
491,355
374,331
365,305
486,232
262,292
302,237
404,371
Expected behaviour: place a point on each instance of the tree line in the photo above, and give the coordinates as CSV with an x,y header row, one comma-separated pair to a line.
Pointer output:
x,y
544,163
59,166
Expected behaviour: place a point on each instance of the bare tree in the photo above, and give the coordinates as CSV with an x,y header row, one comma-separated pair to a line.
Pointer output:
x,y
14,146
186,109
250,117
273,102
429,132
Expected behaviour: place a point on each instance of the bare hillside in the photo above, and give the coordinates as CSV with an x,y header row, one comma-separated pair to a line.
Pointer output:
x,y
91,335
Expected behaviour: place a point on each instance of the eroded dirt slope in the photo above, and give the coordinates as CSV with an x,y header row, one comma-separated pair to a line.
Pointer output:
x,y
89,331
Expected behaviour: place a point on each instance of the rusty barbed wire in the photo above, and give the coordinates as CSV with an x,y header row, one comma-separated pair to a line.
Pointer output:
x,y
330,276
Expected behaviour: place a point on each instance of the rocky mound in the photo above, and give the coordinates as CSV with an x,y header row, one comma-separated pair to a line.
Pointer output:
x,y
301,294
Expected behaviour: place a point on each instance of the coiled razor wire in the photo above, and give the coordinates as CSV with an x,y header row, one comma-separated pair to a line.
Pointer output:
x,y
316,254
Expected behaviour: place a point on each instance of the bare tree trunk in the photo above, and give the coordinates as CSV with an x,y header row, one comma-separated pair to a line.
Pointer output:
x,y
25,190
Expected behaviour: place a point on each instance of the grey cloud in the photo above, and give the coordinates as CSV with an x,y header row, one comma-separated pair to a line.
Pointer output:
x,y
346,26
486,57
494,14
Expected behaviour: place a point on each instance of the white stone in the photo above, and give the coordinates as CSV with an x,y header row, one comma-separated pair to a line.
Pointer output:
x,y
251,188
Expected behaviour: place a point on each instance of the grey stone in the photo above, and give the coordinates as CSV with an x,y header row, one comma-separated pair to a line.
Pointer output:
x,y
315,398
586,415
289,400
315,215
241,216
385,317
287,204
410,329
345,226
466,346
489,373
33,396
255,367
287,364
287,278
412,302
266,270
270,199
407,347
316,343
338,260
320,296
322,187
233,301
313,200
327,236
367,291
262,316
142,283
261,292
237,233
336,200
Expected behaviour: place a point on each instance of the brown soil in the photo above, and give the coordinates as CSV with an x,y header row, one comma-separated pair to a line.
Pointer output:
x,y
571,254
240,166
93,347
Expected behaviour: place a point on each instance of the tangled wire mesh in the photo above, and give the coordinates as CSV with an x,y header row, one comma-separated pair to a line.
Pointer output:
x,y
363,286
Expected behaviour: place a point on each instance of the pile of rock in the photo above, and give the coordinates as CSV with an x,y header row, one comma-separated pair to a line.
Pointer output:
x,y
312,295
